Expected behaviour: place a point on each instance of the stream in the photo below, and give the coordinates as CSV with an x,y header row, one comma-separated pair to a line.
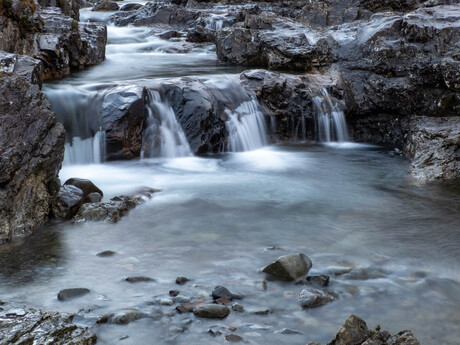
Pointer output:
x,y
391,247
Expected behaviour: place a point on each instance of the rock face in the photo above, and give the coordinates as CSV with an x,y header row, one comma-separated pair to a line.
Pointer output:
x,y
52,34
289,267
37,327
31,150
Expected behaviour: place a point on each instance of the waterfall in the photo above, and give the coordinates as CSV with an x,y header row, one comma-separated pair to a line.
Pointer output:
x,y
163,135
246,127
84,151
329,118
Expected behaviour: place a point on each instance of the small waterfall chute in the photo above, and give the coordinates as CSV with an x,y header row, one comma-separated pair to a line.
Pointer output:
x,y
85,151
329,118
246,127
163,135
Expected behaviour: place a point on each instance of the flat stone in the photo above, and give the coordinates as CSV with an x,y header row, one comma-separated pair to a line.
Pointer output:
x,y
234,338
126,316
289,267
215,311
106,253
287,331
139,279
67,294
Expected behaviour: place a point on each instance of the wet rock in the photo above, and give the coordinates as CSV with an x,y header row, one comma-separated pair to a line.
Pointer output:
x,y
170,34
319,280
289,267
380,338
126,316
165,301
234,338
106,253
237,307
173,293
15,312
86,186
37,327
223,292
67,294
365,273
200,34
29,68
312,298
130,7
215,311
353,332
189,306
287,331
404,338
67,202
181,280
260,311
92,197
138,279
434,146
32,146
106,6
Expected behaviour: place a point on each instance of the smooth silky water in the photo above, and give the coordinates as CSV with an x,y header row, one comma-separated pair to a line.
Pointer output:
x,y
392,247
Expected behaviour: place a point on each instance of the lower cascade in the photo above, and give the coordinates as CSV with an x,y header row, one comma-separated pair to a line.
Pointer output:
x,y
246,127
84,151
163,136
329,118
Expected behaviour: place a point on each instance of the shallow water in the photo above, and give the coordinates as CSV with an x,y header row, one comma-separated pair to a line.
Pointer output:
x,y
216,222
390,246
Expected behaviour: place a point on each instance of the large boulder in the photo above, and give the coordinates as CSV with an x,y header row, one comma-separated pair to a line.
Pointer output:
x,y
28,326
31,152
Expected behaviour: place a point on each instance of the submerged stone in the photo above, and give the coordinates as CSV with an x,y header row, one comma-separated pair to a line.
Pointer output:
x,y
216,311
67,294
139,279
289,267
312,298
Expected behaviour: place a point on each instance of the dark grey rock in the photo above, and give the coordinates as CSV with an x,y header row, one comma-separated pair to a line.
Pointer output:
x,y
126,316
319,280
138,279
37,327
237,307
130,7
215,311
287,331
67,202
353,332
67,294
86,186
106,253
289,267
234,338
221,292
92,197
173,293
313,298
181,280
106,6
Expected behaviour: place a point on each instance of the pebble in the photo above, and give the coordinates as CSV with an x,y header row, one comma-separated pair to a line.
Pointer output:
x,y
233,338
165,301
211,311
173,293
181,280
182,299
106,253
139,279
237,307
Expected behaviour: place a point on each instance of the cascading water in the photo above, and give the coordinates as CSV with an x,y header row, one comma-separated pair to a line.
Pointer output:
x,y
163,136
84,151
246,127
329,118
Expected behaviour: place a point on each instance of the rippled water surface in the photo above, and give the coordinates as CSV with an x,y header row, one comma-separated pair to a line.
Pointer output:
x,y
392,247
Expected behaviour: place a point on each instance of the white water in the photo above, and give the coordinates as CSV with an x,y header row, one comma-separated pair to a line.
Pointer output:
x,y
85,151
330,120
246,127
163,136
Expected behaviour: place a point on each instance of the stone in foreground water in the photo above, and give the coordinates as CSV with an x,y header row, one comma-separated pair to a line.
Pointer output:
x,y
67,294
289,267
216,311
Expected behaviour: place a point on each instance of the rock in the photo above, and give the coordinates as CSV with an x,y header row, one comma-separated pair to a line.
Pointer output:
x,y
223,292
123,121
312,298
92,197
173,293
37,327
181,280
15,312
319,280
182,299
32,149
67,294
287,331
189,306
29,68
106,6
86,186
130,7
404,338
434,146
138,279
353,332
70,8
289,267
106,253
126,316
234,338
215,311
67,202
165,301
237,307
260,311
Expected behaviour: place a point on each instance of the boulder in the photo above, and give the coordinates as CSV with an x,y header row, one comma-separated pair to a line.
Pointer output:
x,y
353,332
312,298
86,186
130,7
222,292
29,68
31,153
106,6
37,327
70,8
126,316
289,267
92,197
213,311
67,202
